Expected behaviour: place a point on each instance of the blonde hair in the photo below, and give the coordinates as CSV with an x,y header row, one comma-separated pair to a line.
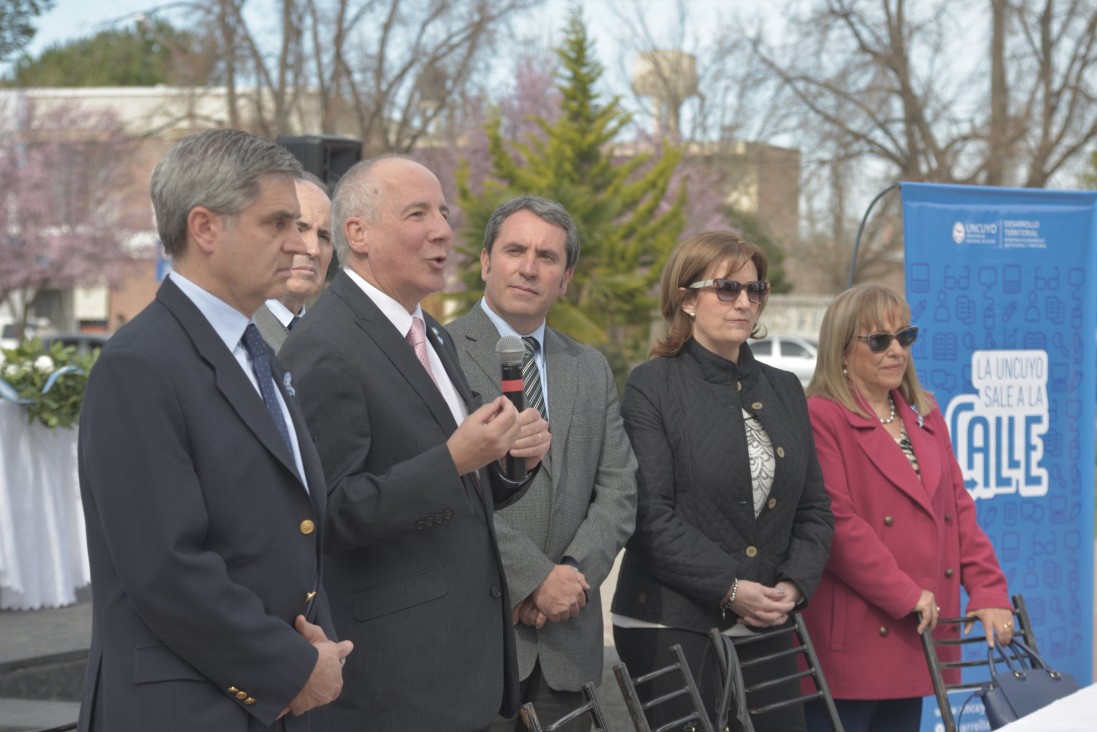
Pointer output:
x,y
868,307
687,264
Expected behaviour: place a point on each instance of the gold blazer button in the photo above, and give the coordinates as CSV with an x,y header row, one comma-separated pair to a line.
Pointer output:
x,y
307,527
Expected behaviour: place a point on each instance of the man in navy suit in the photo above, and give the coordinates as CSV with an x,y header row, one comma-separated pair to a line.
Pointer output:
x,y
203,496
413,568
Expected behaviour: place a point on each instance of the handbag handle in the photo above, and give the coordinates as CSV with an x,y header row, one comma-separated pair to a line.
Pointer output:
x,y
1020,654
734,690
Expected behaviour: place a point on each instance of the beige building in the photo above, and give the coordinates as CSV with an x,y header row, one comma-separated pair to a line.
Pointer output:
x,y
156,117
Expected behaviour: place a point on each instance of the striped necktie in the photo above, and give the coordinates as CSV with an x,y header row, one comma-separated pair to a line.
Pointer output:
x,y
531,377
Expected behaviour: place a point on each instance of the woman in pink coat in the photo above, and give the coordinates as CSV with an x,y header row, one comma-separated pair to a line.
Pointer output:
x,y
905,536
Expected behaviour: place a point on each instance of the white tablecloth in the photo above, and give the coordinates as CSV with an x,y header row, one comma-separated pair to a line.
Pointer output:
x,y
43,549
1075,713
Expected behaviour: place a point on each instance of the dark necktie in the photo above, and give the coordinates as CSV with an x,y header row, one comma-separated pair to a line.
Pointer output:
x,y
260,363
531,377
293,322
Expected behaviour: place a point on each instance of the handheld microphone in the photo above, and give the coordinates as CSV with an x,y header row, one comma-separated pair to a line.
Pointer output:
x,y
511,351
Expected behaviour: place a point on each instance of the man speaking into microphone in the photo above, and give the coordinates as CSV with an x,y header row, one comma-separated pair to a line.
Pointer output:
x,y
559,540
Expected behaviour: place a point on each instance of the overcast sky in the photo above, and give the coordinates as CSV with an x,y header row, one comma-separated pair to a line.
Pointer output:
x,y
74,18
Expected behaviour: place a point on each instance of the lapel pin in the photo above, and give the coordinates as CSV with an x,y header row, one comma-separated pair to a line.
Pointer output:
x,y
287,381
436,334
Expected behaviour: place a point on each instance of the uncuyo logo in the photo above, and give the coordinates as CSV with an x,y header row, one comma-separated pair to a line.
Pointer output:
x,y
958,232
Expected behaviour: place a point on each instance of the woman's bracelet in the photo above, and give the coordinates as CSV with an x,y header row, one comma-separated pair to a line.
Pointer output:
x,y
730,598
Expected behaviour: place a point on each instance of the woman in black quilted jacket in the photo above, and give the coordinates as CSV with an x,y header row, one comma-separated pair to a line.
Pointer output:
x,y
733,525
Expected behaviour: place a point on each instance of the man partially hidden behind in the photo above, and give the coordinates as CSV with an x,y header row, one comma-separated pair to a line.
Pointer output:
x,y
412,461
277,316
203,496
559,541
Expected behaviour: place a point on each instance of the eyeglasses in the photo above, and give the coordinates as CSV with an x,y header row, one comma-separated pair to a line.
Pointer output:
x,y
728,290
880,342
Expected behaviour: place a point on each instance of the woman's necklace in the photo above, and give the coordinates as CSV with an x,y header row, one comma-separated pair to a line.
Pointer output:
x,y
891,417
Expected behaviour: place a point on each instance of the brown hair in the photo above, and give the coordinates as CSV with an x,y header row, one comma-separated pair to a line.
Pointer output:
x,y
862,306
687,264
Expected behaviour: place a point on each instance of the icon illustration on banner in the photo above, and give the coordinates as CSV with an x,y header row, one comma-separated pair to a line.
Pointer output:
x,y
998,432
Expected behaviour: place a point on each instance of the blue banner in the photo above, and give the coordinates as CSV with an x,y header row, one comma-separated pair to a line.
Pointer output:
x,y
1001,283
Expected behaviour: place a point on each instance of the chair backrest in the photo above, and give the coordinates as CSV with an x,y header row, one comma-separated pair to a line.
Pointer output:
x,y
591,707
950,628
808,669
697,718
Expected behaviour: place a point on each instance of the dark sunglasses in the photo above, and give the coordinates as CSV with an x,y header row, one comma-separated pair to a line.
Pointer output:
x,y
880,342
728,290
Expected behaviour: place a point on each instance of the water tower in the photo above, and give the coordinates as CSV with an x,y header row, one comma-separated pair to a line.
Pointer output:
x,y
669,78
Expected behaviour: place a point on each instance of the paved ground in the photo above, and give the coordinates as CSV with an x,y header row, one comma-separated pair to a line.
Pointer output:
x,y
42,646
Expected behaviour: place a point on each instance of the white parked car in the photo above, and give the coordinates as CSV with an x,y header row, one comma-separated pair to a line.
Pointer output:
x,y
787,352
36,327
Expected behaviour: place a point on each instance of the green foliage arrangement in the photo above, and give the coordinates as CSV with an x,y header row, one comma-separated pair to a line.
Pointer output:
x,y
47,383
627,223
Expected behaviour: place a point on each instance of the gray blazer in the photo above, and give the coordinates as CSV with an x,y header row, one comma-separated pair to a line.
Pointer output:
x,y
582,504
271,328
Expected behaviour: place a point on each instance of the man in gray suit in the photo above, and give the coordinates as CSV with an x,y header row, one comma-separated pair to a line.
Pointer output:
x,y
277,316
559,541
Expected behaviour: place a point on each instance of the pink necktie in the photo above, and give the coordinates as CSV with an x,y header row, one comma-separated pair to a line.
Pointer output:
x,y
417,337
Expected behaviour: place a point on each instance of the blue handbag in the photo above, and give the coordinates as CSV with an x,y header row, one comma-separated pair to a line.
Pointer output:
x,y
1025,685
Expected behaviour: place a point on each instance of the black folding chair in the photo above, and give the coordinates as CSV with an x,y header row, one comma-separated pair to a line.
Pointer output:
x,y
590,707
803,648
950,630
697,719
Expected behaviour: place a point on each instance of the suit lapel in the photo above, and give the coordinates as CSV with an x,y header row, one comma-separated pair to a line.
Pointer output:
x,y
310,460
562,369
482,336
396,349
231,381
447,354
923,440
882,451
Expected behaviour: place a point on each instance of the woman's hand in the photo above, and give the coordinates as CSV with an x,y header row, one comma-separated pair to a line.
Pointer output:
x,y
994,619
760,606
927,608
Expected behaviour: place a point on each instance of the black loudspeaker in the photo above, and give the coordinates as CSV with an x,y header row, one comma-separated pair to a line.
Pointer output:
x,y
325,156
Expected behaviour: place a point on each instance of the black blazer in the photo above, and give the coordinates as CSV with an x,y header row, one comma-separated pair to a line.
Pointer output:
x,y
695,526
204,543
413,569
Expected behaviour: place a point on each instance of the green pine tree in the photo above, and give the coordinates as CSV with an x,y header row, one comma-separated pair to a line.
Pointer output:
x,y
617,198
1089,175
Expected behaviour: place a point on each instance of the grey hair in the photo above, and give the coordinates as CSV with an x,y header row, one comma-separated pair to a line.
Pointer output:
x,y
543,208
358,194
315,180
218,169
